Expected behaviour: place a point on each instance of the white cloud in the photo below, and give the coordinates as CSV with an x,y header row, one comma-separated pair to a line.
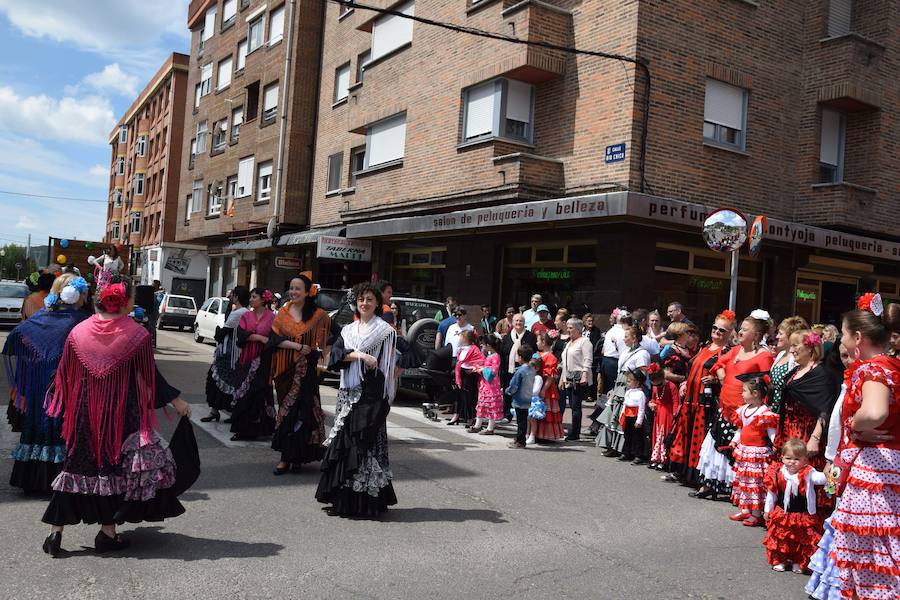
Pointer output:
x,y
20,156
99,172
111,79
26,222
87,119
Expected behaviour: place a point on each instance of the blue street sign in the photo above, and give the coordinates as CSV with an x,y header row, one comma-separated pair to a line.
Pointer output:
x,y
615,153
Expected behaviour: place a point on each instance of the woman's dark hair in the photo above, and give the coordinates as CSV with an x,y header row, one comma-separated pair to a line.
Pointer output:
x,y
875,329
113,252
525,352
759,385
383,285
761,327
636,331
309,305
129,290
545,337
45,281
492,340
242,294
361,289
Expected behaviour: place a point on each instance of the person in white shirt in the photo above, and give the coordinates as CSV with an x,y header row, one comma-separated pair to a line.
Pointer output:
x,y
531,315
462,324
640,317
613,344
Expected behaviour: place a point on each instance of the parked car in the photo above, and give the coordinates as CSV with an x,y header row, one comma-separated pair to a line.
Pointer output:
x,y
12,294
210,316
177,311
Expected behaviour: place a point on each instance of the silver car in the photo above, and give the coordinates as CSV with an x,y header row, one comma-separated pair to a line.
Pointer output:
x,y
12,295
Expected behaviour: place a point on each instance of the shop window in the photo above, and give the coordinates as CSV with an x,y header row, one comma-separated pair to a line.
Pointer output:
x,y
516,256
439,257
676,259
549,254
888,288
711,263
401,259
583,254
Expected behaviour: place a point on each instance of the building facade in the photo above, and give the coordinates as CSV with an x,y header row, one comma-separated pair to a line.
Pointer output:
x,y
249,133
490,170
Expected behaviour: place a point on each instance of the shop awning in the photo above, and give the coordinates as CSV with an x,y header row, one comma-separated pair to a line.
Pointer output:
x,y
249,245
310,236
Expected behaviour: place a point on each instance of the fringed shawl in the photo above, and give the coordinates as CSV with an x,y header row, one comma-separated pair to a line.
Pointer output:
x,y
379,340
312,333
33,350
102,363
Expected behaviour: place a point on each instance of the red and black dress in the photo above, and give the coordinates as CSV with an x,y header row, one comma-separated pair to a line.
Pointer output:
x,y
793,529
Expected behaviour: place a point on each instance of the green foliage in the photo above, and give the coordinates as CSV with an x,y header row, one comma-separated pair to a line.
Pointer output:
x,y
15,253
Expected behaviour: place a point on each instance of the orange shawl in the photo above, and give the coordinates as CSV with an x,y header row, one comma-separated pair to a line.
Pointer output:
x,y
314,332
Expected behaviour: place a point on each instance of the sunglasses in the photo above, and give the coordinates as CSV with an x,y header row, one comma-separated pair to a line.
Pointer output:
x,y
719,329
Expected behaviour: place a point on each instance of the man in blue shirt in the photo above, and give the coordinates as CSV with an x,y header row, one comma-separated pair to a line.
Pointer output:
x,y
444,325
531,315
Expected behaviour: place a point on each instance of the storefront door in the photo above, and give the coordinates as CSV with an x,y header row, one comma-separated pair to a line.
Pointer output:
x,y
820,298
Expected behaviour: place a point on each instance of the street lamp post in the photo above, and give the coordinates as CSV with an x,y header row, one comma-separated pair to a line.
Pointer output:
x,y
2,257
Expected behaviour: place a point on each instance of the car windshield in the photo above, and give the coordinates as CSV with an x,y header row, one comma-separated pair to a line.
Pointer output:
x,y
13,290
329,300
177,302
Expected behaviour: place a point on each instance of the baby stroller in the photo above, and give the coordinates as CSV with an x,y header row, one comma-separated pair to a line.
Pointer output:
x,y
441,383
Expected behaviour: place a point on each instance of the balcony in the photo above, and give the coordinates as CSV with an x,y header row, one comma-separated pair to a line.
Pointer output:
x,y
535,22
837,205
851,77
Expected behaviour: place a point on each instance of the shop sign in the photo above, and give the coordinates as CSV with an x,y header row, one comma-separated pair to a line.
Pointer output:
x,y
154,255
702,283
615,153
287,262
806,295
551,274
344,249
178,264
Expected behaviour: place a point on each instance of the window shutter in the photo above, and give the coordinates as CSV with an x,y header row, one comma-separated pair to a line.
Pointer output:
x,y
342,83
276,24
830,146
245,177
224,76
839,17
229,9
724,104
390,32
518,101
238,117
270,97
387,141
242,55
480,110
206,72
209,26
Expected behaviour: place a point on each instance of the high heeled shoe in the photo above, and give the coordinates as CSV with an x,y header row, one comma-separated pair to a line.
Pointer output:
x,y
211,417
53,544
280,470
104,543
707,494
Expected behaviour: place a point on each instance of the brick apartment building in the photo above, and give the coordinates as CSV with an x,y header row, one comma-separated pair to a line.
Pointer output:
x,y
144,180
490,170
249,128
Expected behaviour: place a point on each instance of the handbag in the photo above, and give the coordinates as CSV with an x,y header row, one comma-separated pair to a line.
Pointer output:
x,y
537,410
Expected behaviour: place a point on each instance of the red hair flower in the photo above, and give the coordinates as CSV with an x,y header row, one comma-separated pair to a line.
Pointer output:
x,y
812,340
267,296
113,297
653,368
728,315
872,303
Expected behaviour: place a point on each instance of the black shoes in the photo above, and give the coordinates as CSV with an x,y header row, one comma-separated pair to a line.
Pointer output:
x,y
213,416
104,543
52,545
708,493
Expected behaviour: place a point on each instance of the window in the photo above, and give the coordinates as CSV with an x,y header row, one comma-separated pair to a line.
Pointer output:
x,y
197,89
499,108
138,184
252,107
390,32
205,79
341,82
361,61
385,140
117,198
223,79
214,206
230,192
357,163
115,230
345,10
335,164
141,146
725,113
270,102
209,24
237,117
220,135
135,222
196,197
276,25
120,166
193,154
831,147
265,181
245,177
229,10
202,129
255,34
242,55
123,134
840,14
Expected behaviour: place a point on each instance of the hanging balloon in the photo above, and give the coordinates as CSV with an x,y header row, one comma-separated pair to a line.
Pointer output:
x,y
61,259
89,245
89,278
64,243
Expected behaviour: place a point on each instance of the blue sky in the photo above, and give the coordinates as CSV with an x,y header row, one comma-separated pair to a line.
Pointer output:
x,y
70,69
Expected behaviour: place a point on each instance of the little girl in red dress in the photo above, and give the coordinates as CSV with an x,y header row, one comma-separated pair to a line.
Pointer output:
x,y
662,401
752,449
791,508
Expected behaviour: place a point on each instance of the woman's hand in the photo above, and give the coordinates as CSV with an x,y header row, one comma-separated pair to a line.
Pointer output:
x,y
584,378
370,361
682,389
874,436
708,378
812,446
181,407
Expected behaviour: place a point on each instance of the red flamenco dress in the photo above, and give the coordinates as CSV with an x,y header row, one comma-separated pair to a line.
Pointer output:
x,y
866,545
793,530
751,456
663,398
550,427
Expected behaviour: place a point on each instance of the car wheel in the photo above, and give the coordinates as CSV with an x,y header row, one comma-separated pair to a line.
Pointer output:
x,y
160,325
197,337
181,328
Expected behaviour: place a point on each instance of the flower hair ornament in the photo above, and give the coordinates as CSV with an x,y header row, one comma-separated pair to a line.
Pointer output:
x,y
871,302
113,297
615,313
760,314
51,300
267,296
73,290
653,369
313,291
812,340
728,315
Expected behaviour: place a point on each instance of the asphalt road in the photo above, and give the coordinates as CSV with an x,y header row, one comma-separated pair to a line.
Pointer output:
x,y
474,520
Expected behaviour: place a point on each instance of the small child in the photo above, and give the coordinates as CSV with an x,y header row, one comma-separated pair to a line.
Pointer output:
x,y
468,363
490,394
791,509
634,406
752,450
538,406
662,401
520,390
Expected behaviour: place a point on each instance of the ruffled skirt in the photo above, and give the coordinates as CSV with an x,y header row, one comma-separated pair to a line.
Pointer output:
x,y
550,428
748,491
715,469
791,537
825,583
490,401
611,436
